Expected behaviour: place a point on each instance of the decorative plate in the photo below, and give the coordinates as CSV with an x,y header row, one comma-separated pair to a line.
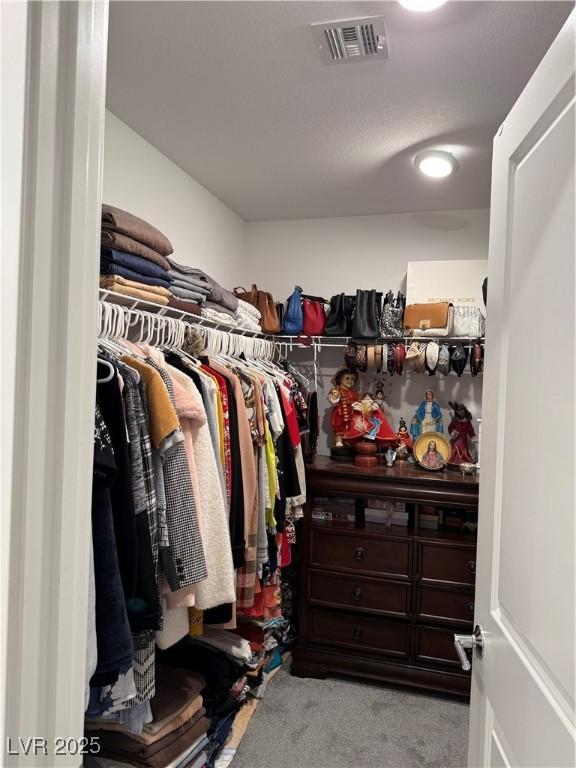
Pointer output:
x,y
432,450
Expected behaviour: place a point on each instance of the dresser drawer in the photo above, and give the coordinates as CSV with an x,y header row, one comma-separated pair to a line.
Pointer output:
x,y
445,604
435,646
363,633
361,554
359,592
453,564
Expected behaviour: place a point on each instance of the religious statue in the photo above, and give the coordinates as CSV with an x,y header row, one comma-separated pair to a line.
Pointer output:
x,y
342,396
403,441
428,417
368,422
460,430
432,459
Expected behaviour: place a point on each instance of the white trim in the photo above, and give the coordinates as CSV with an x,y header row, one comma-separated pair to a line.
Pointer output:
x,y
55,375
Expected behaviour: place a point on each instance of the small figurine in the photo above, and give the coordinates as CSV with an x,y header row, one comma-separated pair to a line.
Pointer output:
x,y
428,417
368,422
432,459
460,429
402,436
342,396
390,455
403,442
380,399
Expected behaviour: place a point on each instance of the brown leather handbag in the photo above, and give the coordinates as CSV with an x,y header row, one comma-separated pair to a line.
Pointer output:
x,y
264,303
434,319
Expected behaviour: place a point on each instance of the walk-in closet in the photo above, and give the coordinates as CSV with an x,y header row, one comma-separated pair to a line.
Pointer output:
x,y
288,301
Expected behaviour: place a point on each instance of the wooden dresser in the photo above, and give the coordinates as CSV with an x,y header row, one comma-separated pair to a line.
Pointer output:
x,y
383,602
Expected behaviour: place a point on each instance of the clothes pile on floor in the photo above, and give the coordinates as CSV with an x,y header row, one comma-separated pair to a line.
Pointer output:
x,y
174,736
236,670
133,257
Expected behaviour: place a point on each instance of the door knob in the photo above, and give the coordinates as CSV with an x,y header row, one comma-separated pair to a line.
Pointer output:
x,y
475,641
359,553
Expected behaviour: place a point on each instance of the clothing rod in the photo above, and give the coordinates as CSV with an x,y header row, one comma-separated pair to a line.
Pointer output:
x,y
319,342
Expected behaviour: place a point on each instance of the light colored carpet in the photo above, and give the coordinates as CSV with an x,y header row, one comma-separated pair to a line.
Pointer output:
x,y
305,723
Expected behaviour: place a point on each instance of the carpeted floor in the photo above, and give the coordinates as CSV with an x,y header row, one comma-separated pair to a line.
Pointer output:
x,y
304,723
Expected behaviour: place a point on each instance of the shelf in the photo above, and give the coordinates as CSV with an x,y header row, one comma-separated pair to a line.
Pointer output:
x,y
432,534
290,342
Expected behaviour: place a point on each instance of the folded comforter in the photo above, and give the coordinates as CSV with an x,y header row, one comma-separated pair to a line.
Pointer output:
x,y
110,282
194,286
111,239
132,267
156,755
191,295
139,293
127,224
217,293
192,307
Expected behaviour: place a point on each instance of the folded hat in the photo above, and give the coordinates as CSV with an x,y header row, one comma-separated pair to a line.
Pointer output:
x,y
412,355
477,358
390,362
399,357
420,361
443,365
432,353
458,358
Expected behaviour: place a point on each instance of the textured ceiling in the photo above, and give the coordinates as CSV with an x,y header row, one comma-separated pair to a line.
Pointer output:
x,y
236,95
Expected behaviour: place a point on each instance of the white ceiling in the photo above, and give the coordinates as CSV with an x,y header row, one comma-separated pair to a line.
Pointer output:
x,y
236,95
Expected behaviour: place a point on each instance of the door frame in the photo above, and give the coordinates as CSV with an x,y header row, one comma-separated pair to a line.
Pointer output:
x,y
48,519
553,81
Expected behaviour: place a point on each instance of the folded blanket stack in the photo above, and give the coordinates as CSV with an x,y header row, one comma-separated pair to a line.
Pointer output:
x,y
133,257
219,317
190,284
176,734
248,316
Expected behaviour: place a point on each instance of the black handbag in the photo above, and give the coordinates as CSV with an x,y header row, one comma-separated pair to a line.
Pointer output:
x,y
340,315
366,324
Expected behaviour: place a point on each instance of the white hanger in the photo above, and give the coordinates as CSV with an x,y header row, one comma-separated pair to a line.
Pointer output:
x,y
111,373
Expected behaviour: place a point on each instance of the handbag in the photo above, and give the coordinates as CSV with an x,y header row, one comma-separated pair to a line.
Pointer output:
x,y
468,321
392,323
433,319
280,312
293,316
264,303
340,315
314,315
366,322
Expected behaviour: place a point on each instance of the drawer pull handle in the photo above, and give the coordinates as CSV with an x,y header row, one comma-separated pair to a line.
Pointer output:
x,y
357,633
357,594
359,553
470,607
471,565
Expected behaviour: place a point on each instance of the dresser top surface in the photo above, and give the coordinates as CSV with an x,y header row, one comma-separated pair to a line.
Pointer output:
x,y
410,474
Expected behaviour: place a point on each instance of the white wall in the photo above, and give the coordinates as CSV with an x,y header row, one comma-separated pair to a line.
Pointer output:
x,y
14,34
204,232
327,256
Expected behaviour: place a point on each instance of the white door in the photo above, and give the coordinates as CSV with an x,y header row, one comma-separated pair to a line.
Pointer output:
x,y
522,708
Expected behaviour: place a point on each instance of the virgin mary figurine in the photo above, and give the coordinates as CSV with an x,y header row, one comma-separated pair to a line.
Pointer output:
x,y
428,417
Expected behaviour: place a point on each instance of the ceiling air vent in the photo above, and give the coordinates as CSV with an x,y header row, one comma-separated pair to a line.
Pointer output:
x,y
345,42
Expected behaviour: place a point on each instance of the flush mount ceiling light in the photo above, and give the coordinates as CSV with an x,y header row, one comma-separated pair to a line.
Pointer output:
x,y
436,163
422,5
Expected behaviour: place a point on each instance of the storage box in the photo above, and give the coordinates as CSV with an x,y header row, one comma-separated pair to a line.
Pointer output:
x,y
458,282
